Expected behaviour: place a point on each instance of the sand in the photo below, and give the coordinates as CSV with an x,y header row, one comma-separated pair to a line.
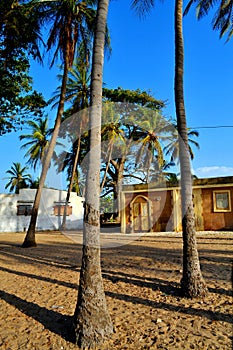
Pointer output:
x,y
141,280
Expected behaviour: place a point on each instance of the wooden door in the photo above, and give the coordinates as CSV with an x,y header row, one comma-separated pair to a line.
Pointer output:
x,y
141,215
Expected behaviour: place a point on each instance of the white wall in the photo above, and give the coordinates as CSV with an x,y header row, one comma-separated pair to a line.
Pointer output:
x,y
11,222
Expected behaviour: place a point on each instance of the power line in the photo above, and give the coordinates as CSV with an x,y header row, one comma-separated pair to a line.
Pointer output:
x,y
212,127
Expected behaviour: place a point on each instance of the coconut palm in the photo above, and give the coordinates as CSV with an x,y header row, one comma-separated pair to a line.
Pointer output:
x,y
78,83
223,17
192,282
151,132
91,318
111,134
18,178
78,94
72,21
172,147
38,141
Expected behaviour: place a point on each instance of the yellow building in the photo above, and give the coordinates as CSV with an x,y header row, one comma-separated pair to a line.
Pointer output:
x,y
155,208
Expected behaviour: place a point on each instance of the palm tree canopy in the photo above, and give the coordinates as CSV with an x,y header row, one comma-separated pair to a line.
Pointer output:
x,y
38,141
223,17
78,83
71,23
142,6
18,177
172,147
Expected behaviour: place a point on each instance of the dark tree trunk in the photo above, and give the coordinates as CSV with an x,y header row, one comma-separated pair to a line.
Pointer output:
x,y
192,283
30,238
91,319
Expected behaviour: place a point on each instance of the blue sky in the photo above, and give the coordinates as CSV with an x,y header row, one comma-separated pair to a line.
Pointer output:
x,y
143,57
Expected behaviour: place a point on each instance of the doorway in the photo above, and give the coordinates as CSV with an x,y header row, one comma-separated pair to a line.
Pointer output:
x,y
140,214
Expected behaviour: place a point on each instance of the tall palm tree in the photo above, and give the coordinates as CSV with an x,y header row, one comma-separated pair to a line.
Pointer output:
x,y
91,318
72,22
18,179
150,134
192,282
38,141
111,134
172,147
78,83
78,94
223,17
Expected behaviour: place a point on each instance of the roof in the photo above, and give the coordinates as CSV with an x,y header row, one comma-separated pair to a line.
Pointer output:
x,y
206,182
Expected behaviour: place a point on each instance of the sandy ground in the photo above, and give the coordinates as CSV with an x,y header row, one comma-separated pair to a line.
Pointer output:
x,y
141,279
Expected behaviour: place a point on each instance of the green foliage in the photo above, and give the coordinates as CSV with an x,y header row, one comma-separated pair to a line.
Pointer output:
x,y
38,141
141,98
223,17
18,178
106,204
17,100
18,39
70,22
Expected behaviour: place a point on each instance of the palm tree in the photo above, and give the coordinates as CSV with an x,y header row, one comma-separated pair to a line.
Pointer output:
x,y
222,20
38,141
172,147
72,23
111,134
18,179
78,83
151,131
91,318
78,93
192,282
123,120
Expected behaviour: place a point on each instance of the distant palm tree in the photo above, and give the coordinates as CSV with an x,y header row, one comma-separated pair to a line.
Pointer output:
x,y
150,134
172,147
112,134
38,141
78,94
18,179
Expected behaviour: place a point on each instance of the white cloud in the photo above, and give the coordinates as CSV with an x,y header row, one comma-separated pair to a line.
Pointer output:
x,y
213,171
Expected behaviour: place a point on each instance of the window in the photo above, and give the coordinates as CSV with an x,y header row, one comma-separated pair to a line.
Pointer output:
x,y
59,210
24,209
222,201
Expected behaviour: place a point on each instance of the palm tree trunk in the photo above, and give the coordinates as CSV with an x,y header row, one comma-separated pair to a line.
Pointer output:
x,y
30,240
192,283
118,190
91,319
74,168
110,149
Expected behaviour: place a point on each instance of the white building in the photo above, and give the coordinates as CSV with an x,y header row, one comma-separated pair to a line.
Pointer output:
x,y
15,210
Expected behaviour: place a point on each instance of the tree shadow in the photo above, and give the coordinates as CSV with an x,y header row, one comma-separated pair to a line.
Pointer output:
x,y
57,323
166,287
40,278
50,255
211,315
